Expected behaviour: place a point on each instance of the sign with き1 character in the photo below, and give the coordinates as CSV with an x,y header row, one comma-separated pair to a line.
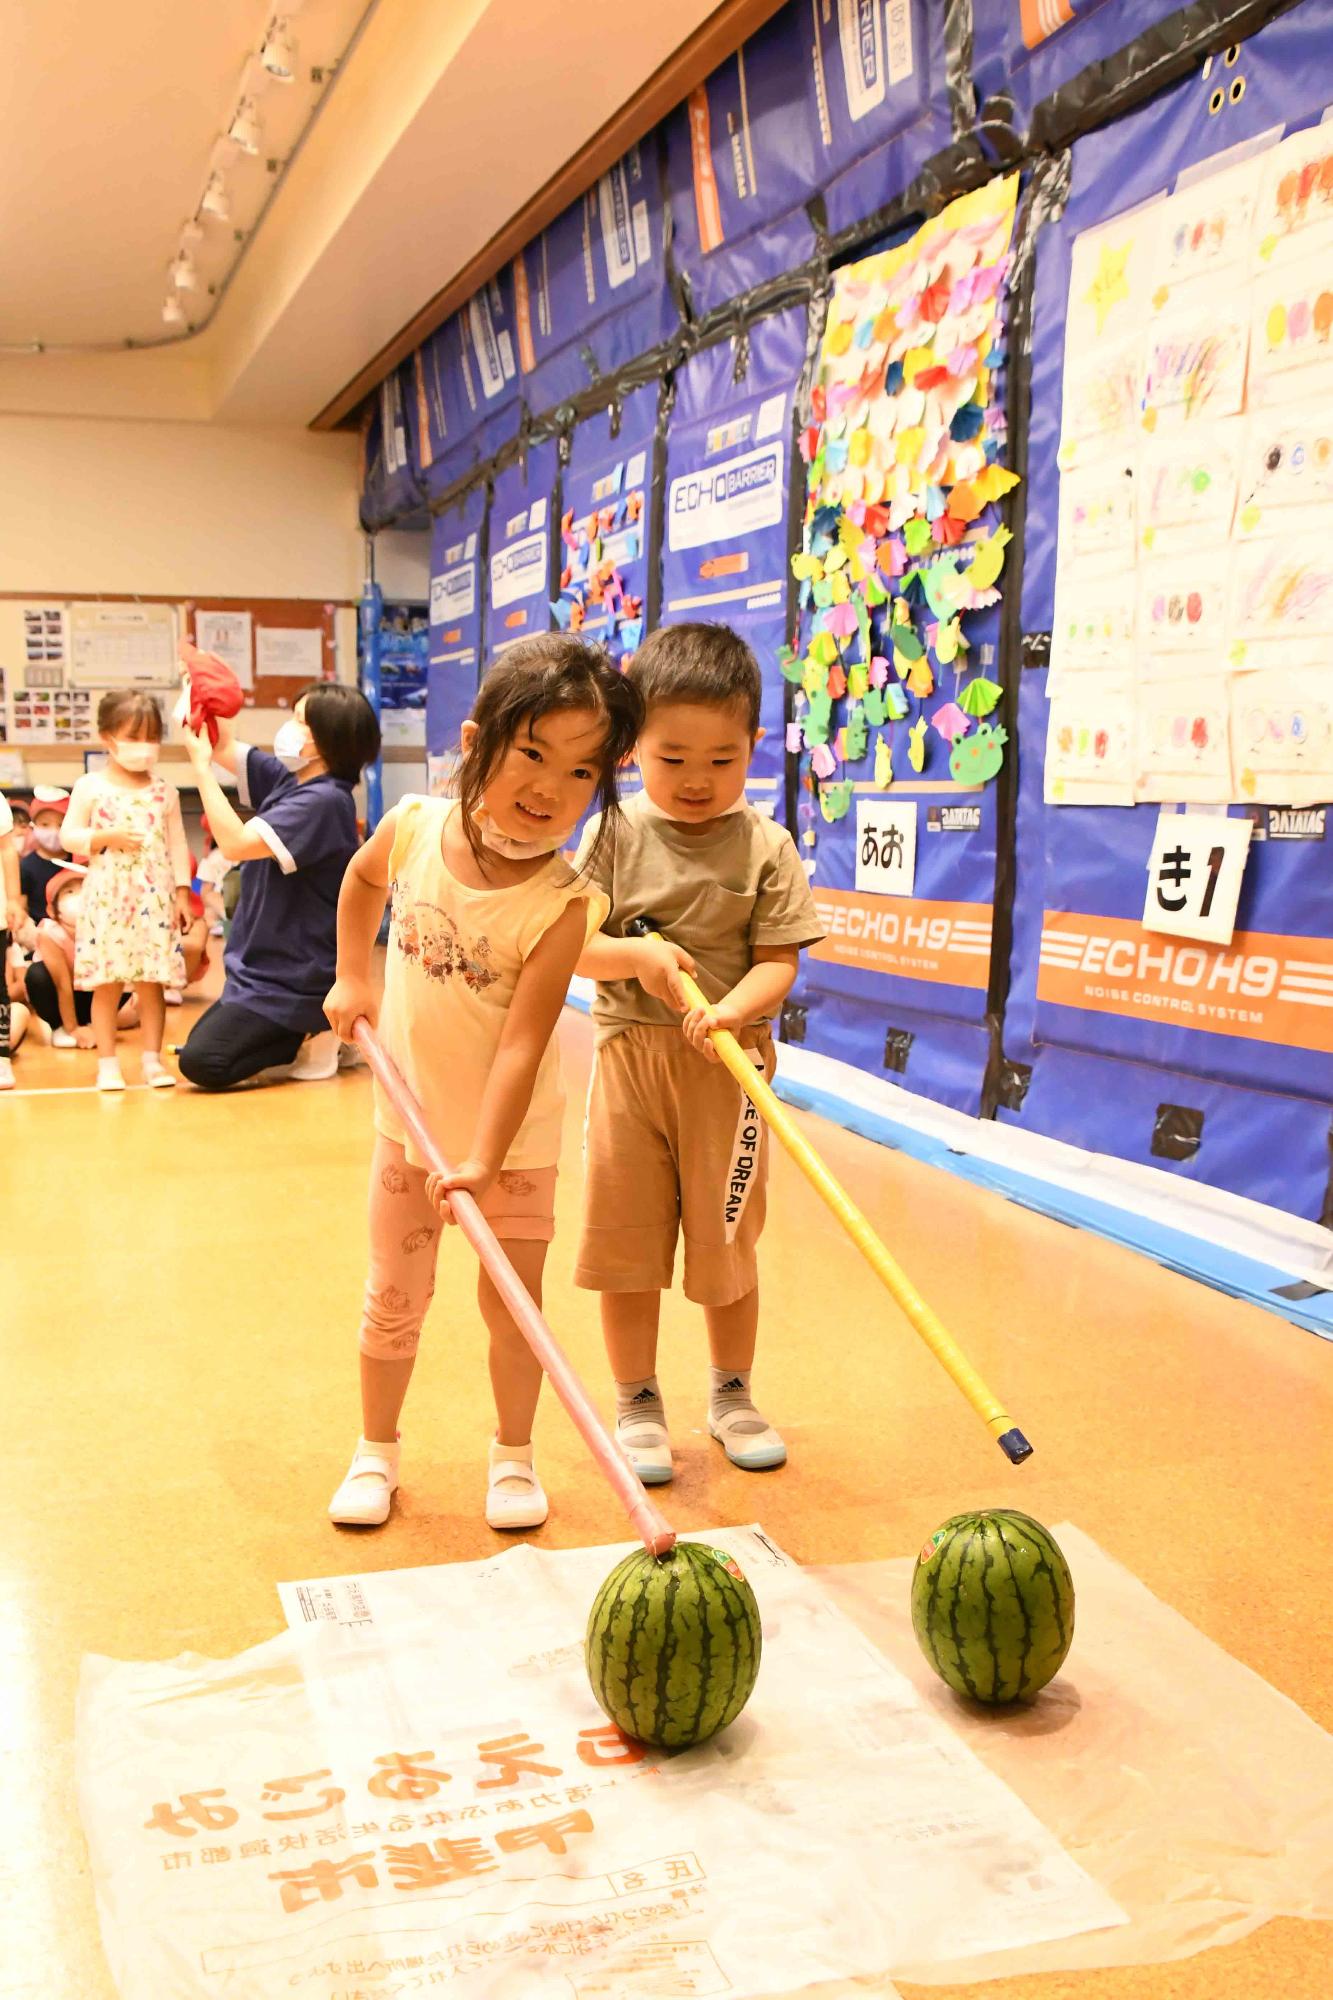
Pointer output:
x,y
886,846
1194,875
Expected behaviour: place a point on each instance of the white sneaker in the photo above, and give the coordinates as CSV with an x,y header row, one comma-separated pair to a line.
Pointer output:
x,y
6,1073
61,1038
155,1072
362,1501
108,1074
645,1440
316,1060
522,1504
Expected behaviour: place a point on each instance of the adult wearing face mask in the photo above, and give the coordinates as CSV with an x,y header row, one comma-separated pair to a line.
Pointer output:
x,y
125,822
43,855
281,956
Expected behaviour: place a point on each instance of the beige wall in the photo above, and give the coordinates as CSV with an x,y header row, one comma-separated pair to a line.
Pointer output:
x,y
174,510
177,510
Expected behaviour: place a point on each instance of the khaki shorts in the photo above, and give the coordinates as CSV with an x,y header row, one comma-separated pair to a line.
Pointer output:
x,y
673,1147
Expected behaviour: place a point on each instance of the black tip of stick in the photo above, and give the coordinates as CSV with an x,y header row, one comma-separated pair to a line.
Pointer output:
x,y
1014,1446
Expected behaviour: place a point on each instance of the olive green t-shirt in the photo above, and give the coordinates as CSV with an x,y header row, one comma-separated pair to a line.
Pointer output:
x,y
736,884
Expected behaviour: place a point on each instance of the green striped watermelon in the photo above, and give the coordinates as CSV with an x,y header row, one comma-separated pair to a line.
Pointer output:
x,y
993,1605
673,1645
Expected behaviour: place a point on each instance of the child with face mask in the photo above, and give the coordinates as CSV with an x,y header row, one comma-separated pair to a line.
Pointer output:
x,y
125,822
42,855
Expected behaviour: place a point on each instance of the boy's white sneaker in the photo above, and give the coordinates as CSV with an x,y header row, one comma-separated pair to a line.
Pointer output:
x,y
748,1439
363,1499
155,1072
108,1074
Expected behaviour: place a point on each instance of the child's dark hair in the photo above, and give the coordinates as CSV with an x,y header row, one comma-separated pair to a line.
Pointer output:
x,y
707,664
343,726
129,712
536,677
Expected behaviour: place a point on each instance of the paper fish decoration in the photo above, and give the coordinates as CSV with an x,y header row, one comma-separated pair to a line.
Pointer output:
x,y
948,639
834,801
988,561
916,745
920,679
883,764
854,748
823,763
976,759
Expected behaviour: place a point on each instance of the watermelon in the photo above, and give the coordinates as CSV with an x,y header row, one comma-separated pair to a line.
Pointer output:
x,y
993,1605
673,1645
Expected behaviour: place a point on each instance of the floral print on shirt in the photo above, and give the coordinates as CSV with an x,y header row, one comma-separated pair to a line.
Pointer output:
x,y
428,936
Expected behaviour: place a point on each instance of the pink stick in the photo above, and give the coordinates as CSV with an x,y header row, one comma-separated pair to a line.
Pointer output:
x,y
650,1524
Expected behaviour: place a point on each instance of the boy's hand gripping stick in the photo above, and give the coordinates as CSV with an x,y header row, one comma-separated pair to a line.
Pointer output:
x,y
650,1524
779,1120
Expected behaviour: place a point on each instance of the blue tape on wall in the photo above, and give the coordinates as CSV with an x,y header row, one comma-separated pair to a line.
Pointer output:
x,y
817,90
727,539
1029,49
591,292
606,504
1216,1064
467,387
456,614
391,489
520,538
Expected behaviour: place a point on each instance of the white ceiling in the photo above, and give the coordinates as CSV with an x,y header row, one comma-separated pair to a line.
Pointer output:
x,y
113,115
448,117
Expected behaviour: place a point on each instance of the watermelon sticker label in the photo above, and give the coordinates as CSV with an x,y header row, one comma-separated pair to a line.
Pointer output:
x,y
729,1564
931,1546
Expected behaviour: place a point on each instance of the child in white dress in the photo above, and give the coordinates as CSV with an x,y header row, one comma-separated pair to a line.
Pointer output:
x,y
125,822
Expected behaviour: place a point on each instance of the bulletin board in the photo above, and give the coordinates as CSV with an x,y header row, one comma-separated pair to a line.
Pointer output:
x,y
1184,594
292,642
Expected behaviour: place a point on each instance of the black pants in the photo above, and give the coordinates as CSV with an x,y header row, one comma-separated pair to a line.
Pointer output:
x,y
4,994
229,1044
45,1001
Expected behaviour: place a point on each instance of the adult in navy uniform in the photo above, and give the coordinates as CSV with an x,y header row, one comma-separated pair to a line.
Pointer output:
x,y
282,952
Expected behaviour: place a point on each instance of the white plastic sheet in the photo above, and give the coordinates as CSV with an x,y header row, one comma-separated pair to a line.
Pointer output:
x,y
413,1792
1197,1795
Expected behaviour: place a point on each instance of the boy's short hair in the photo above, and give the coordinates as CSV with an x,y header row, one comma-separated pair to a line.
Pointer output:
x,y
707,664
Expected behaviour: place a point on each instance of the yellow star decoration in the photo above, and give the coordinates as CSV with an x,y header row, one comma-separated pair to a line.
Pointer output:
x,y
1109,283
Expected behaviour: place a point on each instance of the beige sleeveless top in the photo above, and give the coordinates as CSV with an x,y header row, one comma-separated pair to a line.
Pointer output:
x,y
454,958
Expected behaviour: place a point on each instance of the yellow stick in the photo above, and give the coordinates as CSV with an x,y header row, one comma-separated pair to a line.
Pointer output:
x,y
937,1338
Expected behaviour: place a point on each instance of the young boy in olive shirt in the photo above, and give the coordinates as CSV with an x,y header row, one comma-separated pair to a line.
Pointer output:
x,y
673,1145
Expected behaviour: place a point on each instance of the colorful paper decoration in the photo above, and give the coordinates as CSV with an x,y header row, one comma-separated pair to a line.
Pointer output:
x,y
901,538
